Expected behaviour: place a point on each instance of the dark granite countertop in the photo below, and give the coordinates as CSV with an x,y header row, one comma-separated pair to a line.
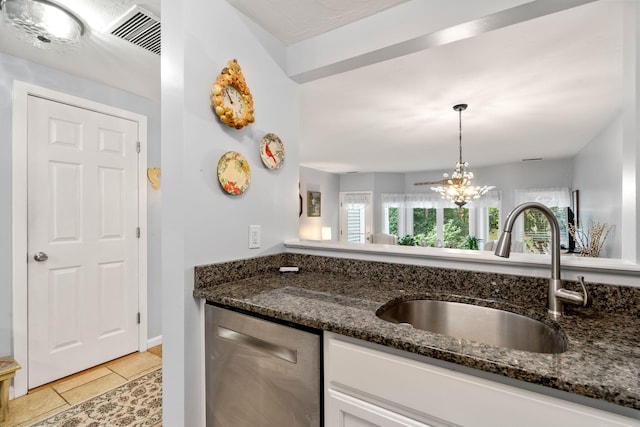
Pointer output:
x,y
602,362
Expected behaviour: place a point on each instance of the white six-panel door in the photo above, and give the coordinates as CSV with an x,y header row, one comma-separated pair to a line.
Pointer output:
x,y
82,222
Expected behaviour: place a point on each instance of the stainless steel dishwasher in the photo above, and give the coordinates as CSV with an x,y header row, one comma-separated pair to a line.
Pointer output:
x,y
260,373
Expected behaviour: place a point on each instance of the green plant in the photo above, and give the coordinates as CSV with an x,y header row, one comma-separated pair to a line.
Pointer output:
x,y
472,243
494,223
408,240
453,234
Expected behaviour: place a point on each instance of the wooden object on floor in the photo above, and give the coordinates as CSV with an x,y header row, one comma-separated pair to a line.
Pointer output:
x,y
8,368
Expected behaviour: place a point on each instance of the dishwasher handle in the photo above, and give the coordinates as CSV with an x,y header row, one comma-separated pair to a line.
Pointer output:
x,y
258,344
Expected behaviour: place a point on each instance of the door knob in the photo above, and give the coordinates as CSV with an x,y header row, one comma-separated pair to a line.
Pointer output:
x,y
40,256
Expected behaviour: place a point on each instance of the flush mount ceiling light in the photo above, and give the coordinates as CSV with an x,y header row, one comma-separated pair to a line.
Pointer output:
x,y
42,22
459,188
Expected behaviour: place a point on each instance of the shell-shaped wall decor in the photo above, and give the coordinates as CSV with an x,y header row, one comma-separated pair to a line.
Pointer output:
x,y
154,177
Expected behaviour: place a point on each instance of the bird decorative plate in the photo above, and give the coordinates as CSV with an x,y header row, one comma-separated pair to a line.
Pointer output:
x,y
272,151
234,173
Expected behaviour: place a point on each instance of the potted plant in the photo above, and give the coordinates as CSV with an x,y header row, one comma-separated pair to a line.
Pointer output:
x,y
408,240
472,243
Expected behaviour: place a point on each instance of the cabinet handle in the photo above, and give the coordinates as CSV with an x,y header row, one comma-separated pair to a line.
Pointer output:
x,y
258,344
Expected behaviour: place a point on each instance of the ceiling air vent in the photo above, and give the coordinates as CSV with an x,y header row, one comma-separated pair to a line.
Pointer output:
x,y
139,27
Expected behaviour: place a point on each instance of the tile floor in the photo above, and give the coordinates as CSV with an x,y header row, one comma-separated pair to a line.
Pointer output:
x,y
54,397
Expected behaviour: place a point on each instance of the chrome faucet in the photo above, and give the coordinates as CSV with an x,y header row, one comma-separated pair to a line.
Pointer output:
x,y
557,294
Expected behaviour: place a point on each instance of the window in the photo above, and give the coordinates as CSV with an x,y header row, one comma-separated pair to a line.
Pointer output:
x,y
424,221
392,221
356,230
494,223
535,230
355,217
425,225
393,214
455,227
433,222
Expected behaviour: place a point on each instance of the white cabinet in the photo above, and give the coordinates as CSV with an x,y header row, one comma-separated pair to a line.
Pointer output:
x,y
348,411
372,387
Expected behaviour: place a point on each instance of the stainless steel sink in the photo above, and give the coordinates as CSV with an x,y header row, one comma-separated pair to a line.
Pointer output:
x,y
487,325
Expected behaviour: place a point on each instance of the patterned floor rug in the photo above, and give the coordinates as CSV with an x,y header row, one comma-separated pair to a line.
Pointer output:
x,y
137,403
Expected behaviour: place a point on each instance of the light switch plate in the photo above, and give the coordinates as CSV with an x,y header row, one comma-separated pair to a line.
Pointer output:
x,y
254,236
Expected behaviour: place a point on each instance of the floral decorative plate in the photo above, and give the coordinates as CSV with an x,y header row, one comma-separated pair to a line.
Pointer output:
x,y
234,173
272,151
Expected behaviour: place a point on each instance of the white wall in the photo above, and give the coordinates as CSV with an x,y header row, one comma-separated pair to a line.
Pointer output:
x,y
200,223
630,218
13,68
357,181
328,184
597,174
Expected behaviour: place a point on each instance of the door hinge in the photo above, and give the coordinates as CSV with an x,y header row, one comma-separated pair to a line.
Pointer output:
x,y
138,318
138,232
138,146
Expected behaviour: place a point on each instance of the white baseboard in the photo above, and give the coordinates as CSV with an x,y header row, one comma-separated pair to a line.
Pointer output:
x,y
152,342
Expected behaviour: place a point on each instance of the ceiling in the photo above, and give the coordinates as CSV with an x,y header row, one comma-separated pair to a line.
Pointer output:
x,y
538,89
541,88
291,21
100,56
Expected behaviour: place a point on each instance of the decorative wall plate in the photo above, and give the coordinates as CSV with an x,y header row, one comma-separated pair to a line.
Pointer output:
x,y
234,173
272,151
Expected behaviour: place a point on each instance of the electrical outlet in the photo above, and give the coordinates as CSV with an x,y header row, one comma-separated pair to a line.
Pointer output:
x,y
254,236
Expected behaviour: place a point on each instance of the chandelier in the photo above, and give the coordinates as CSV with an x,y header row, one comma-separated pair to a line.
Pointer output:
x,y
459,188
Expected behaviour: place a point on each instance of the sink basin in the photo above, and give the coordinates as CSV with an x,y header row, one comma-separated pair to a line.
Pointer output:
x,y
487,325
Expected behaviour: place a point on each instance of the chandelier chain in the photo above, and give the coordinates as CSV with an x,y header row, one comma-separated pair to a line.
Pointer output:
x,y
460,132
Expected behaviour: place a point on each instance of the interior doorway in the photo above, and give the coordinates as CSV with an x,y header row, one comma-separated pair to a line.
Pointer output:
x,y
98,210
356,216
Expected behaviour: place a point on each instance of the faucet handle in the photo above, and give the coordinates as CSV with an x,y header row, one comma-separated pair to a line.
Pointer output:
x,y
572,297
586,300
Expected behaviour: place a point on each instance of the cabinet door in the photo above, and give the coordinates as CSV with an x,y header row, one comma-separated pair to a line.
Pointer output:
x,y
439,396
346,411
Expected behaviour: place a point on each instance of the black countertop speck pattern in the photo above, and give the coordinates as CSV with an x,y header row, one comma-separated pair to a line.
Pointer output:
x,y
343,295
